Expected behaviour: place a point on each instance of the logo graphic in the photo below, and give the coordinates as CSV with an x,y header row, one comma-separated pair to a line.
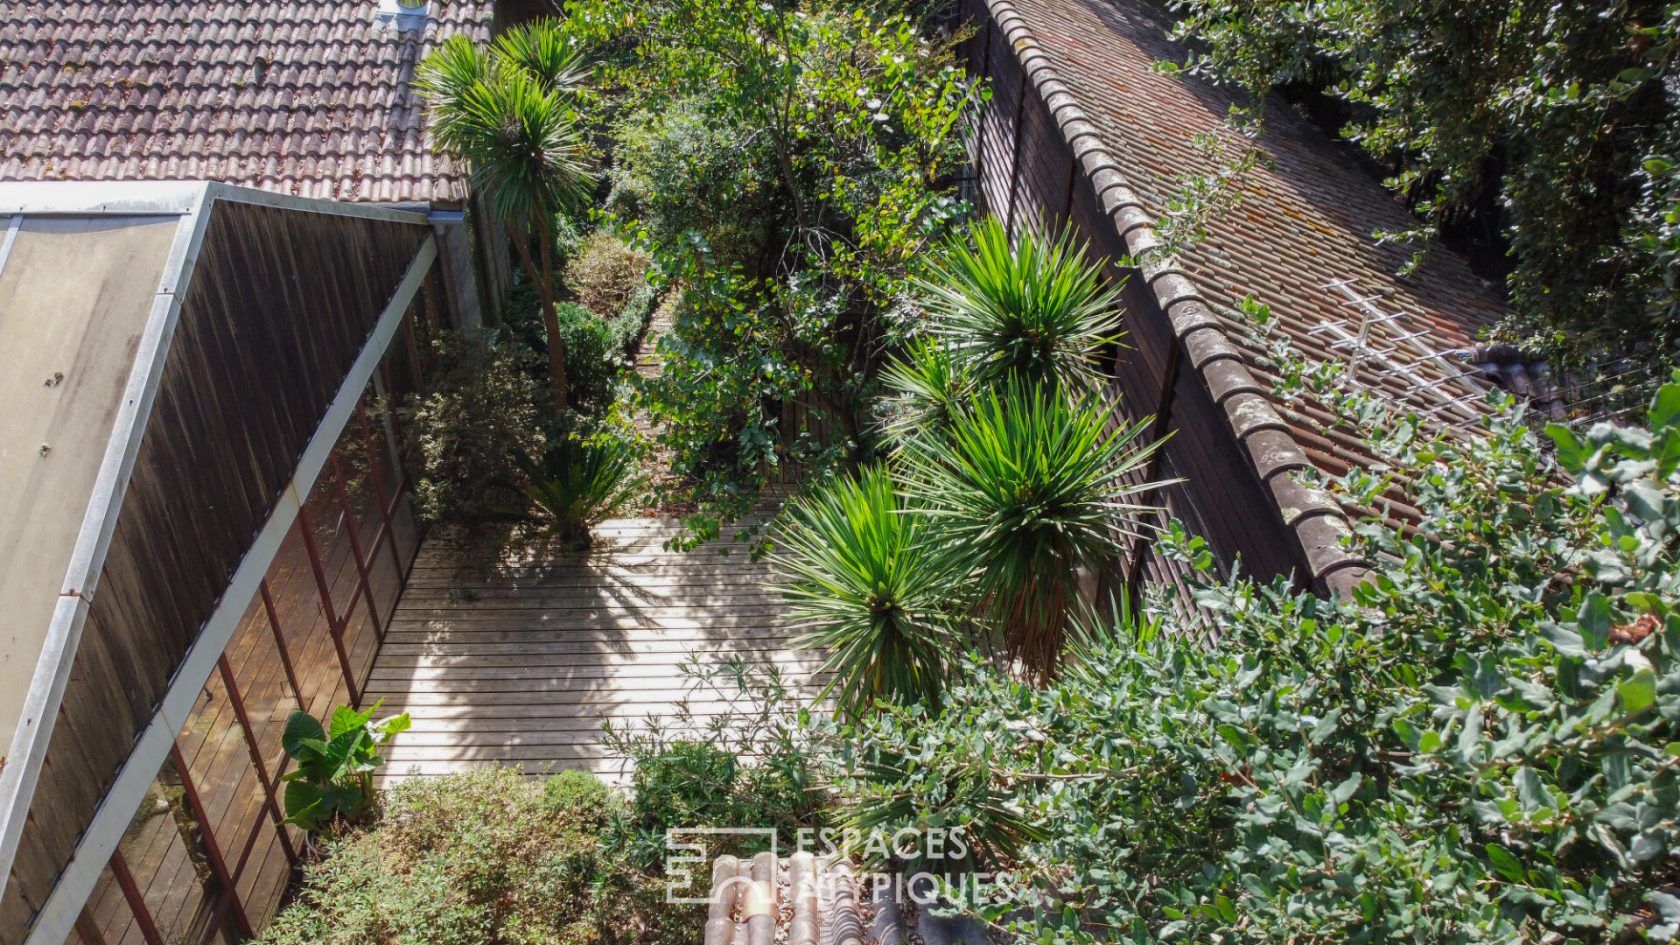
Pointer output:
x,y
688,869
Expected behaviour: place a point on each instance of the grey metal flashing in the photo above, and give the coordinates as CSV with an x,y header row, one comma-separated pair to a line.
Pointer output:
x,y
172,198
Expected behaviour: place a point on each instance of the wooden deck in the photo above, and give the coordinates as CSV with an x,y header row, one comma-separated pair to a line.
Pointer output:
x,y
519,658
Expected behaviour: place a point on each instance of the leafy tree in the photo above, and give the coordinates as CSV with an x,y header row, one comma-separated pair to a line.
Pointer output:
x,y
1554,122
783,163
508,112
1482,745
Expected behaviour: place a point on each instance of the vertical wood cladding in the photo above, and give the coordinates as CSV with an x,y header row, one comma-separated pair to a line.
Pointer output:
x,y
278,307
1027,176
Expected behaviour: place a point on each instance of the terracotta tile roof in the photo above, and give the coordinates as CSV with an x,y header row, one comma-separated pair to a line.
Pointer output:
x,y
803,899
1300,240
306,97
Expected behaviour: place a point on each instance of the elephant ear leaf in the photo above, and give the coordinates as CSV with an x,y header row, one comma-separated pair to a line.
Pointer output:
x,y
395,725
346,719
303,804
301,727
344,798
343,751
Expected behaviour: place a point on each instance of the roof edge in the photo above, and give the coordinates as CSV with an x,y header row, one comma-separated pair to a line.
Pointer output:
x,y
175,198
192,202
116,808
1318,524
234,193
189,202
99,198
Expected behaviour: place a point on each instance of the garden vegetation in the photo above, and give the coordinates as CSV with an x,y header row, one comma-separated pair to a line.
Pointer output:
x,y
1482,745
782,164
1546,131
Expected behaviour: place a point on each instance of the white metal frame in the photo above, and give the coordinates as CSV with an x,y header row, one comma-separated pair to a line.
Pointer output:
x,y
192,202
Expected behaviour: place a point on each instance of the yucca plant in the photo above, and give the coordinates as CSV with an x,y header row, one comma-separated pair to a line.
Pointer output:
x,y
508,113
866,587
1038,311
1027,488
924,386
579,483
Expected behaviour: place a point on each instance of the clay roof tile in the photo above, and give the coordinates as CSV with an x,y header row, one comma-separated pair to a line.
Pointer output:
x,y
250,94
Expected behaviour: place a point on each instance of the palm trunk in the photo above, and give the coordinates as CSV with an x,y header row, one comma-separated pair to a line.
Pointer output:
x,y
1035,620
543,279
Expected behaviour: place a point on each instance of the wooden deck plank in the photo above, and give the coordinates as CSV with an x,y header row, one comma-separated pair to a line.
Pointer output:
x,y
518,657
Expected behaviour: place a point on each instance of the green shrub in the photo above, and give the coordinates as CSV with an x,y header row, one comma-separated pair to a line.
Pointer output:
x,y
480,858
581,795
631,322
593,359
604,273
484,400
679,169
688,784
683,778
596,350
1482,746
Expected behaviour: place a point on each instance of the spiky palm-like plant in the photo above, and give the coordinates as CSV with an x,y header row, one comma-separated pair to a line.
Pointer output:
x,y
924,386
508,112
578,483
1039,311
864,585
1025,489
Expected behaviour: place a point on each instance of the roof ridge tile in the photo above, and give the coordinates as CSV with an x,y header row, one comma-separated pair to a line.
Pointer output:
x,y
1319,525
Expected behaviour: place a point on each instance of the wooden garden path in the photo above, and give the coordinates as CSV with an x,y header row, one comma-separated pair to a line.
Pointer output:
x,y
519,660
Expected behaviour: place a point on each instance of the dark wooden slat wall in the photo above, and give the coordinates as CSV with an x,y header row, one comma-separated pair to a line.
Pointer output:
x,y
279,305
1027,175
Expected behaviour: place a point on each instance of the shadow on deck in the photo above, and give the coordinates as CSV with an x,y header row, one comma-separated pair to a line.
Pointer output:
x,y
519,657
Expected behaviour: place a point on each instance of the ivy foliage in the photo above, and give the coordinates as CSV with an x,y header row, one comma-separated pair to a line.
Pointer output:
x,y
782,163
1483,745
1552,124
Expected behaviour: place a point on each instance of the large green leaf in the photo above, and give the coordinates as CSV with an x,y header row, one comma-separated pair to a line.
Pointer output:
x,y
346,719
303,804
345,751
394,725
300,726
